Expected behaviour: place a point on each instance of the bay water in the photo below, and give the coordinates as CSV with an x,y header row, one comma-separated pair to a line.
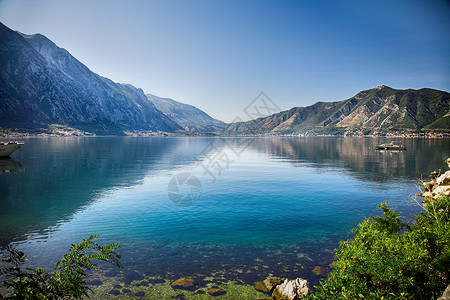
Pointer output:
x,y
210,208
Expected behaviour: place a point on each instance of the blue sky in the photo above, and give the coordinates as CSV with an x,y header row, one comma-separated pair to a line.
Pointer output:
x,y
219,55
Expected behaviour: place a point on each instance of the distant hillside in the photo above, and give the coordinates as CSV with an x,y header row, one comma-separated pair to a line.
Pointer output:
x,y
376,110
187,116
42,84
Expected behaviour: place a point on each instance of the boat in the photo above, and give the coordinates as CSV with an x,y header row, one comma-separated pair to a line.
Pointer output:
x,y
7,148
390,146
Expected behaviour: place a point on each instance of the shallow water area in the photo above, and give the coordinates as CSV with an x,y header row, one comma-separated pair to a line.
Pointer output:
x,y
224,211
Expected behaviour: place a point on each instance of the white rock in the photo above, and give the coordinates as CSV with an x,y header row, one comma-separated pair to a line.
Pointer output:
x,y
444,179
291,289
441,189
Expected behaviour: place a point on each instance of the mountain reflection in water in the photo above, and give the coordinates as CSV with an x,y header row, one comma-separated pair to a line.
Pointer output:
x,y
279,205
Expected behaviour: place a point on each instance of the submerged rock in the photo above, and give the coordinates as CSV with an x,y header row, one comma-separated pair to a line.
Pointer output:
x,y
271,283
112,273
291,290
131,276
139,294
156,280
319,271
114,292
260,286
184,284
95,282
216,292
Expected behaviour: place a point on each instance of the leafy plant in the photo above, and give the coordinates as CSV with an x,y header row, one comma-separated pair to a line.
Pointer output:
x,y
391,259
68,279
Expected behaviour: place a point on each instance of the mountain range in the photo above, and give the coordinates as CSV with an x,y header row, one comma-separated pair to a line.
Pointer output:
x,y
43,85
381,109
187,116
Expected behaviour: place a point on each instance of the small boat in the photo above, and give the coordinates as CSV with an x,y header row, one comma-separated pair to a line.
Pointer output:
x,y
390,146
7,148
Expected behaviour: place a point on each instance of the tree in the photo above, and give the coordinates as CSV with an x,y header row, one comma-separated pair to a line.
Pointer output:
x,y
392,259
68,279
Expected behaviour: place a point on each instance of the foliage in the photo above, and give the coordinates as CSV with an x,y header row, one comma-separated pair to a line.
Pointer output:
x,y
68,277
390,259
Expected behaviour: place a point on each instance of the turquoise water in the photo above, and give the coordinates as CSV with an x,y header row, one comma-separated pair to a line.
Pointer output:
x,y
241,208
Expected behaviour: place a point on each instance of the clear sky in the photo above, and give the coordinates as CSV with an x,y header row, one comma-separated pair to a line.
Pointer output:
x,y
219,55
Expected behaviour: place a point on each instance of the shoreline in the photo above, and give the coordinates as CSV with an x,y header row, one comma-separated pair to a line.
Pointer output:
x,y
440,135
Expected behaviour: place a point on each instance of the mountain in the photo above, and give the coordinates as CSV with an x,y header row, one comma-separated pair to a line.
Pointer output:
x,y
187,116
376,110
42,84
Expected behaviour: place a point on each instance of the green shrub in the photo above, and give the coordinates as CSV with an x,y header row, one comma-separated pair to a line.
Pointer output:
x,y
390,259
68,279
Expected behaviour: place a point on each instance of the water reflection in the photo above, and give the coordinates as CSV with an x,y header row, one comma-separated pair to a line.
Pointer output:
x,y
268,203
66,174
8,165
358,155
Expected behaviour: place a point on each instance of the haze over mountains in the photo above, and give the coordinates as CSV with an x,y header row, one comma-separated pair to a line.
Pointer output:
x,y
42,84
189,117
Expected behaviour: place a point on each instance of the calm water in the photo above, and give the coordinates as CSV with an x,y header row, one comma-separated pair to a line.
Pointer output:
x,y
236,208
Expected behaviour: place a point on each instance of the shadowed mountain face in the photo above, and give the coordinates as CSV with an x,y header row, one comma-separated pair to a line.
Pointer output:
x,y
187,116
378,109
42,84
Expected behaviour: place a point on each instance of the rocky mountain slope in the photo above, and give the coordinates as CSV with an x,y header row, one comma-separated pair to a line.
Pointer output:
x,y
42,84
375,110
187,116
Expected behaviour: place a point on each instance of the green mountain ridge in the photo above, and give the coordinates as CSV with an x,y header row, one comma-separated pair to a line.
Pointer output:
x,y
380,109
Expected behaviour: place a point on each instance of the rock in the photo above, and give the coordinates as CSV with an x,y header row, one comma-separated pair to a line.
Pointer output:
x,y
216,292
260,286
445,189
440,185
303,255
271,283
446,294
114,292
444,179
184,284
291,290
319,271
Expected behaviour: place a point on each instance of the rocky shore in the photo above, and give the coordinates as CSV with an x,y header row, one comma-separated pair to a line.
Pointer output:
x,y
439,184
